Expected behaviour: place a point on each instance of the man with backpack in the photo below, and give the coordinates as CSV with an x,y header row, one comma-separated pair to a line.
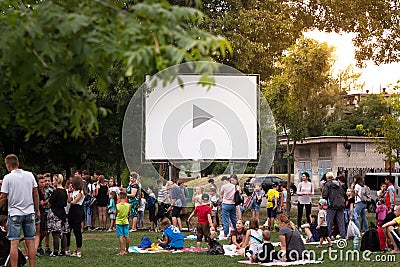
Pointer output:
x,y
335,195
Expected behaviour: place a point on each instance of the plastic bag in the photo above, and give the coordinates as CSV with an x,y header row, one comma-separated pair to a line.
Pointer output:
x,y
352,230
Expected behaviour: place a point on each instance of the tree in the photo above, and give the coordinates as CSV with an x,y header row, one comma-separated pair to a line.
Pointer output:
x,y
361,120
374,22
295,95
51,51
258,30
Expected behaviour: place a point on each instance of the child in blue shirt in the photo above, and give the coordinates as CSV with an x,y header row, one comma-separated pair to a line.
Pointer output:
x,y
172,237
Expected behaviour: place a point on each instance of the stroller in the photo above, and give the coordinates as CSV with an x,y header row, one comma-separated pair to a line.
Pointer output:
x,y
5,246
162,213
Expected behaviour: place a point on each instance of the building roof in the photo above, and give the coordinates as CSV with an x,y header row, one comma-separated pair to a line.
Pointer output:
x,y
333,139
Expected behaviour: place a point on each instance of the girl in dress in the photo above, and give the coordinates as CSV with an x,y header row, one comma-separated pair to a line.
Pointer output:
x,y
112,210
75,215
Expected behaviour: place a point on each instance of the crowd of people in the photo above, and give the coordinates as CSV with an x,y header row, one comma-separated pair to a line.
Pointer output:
x,y
50,205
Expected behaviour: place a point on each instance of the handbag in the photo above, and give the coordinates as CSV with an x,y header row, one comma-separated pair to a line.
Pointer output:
x,y
238,198
249,202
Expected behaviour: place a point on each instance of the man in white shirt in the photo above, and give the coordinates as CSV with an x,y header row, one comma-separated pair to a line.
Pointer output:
x,y
228,207
20,188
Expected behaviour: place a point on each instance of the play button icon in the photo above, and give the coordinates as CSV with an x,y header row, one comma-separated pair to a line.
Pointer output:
x,y
200,116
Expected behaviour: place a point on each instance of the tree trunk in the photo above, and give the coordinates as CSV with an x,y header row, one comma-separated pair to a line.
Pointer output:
x,y
118,172
289,182
163,170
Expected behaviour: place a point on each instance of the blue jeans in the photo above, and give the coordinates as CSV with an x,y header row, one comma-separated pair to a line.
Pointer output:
x,y
359,210
228,214
87,211
24,222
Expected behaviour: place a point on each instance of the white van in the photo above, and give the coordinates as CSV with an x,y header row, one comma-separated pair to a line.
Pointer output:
x,y
374,181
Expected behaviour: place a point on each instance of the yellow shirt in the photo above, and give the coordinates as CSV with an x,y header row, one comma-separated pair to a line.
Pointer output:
x,y
272,193
397,219
122,213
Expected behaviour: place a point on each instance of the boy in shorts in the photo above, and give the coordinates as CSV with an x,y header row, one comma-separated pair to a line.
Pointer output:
x,y
122,223
272,205
322,224
204,222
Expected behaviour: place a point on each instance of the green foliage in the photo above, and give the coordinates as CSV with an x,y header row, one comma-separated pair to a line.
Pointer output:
x,y
366,118
52,51
375,23
259,31
300,94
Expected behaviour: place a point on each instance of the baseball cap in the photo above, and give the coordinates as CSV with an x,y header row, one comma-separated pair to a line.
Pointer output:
x,y
205,197
322,202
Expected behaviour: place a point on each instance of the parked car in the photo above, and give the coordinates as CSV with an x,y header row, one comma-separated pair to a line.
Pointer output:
x,y
266,183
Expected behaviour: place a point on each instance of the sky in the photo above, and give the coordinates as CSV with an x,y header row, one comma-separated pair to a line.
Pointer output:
x,y
374,77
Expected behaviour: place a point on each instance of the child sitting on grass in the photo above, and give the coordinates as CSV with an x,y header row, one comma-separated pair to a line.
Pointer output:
x,y
172,237
122,223
322,224
204,222
311,229
265,252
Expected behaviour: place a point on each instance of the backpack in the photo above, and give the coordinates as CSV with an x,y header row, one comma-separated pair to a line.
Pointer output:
x,y
150,203
366,194
238,198
216,248
145,243
370,241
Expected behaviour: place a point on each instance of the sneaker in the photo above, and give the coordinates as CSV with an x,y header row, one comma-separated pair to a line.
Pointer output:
x,y
54,254
48,252
67,253
318,246
40,252
110,230
76,254
62,253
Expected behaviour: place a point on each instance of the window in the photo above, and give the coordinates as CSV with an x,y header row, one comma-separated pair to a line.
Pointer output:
x,y
324,166
304,153
357,147
324,152
304,166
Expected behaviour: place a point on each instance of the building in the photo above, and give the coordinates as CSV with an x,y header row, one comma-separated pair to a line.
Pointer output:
x,y
318,155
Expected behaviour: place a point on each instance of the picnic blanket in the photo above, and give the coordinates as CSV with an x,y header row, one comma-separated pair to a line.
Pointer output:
x,y
284,263
157,249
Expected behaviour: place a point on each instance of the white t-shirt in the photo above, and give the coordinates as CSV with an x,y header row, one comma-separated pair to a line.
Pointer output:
x,y
142,204
322,214
358,188
18,186
114,189
75,194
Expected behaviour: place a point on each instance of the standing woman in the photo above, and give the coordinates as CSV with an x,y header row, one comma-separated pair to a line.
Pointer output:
x,y
133,199
359,209
76,212
57,218
305,190
101,194
239,208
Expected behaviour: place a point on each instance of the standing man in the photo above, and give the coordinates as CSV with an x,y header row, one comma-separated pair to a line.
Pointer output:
x,y
178,201
334,194
20,188
227,194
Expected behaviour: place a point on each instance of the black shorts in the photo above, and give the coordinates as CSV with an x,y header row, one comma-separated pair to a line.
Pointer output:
x,y
323,231
176,212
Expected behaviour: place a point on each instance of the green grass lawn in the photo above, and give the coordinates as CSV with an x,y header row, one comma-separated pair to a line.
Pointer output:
x,y
100,249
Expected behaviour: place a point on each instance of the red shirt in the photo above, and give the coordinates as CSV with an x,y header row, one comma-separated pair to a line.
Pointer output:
x,y
202,211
